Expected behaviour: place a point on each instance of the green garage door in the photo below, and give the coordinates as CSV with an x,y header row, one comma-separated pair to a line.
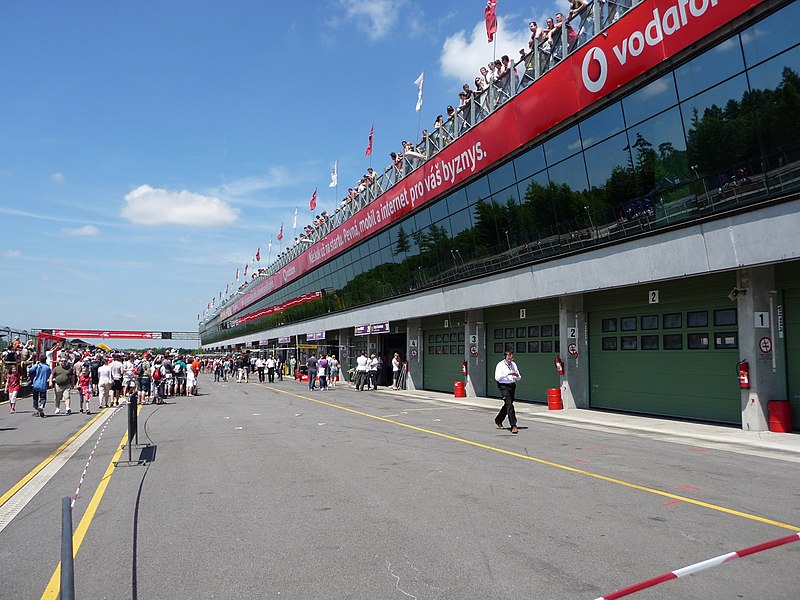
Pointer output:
x,y
675,358
444,353
534,340
791,319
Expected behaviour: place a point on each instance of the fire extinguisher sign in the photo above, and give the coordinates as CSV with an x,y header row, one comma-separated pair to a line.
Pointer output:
x,y
765,344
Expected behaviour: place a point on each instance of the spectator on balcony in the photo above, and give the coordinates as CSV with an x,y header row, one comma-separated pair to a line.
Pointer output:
x,y
491,74
537,34
579,9
480,85
572,36
547,36
485,77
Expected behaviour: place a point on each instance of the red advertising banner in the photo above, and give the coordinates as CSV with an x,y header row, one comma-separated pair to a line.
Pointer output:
x,y
278,308
647,35
99,333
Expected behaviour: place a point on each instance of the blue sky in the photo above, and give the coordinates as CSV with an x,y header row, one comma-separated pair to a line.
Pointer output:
x,y
147,149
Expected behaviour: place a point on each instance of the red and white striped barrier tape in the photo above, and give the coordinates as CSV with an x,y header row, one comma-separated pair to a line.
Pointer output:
x,y
700,566
91,454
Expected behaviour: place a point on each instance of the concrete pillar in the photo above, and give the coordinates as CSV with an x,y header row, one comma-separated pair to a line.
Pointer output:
x,y
574,335
475,335
343,353
756,300
415,346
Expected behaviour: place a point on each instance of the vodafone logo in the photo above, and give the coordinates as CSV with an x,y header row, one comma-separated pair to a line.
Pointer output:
x,y
594,70
628,45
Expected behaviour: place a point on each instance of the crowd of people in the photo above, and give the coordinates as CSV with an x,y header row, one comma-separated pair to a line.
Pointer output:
x,y
109,377
84,380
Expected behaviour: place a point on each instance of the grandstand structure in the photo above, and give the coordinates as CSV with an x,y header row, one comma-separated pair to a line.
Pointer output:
x,y
627,201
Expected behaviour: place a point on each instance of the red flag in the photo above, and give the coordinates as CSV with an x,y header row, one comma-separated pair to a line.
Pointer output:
x,y
369,148
258,254
226,288
237,274
245,271
490,15
313,203
280,233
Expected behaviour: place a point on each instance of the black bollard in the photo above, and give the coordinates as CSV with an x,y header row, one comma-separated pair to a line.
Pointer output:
x,y
67,563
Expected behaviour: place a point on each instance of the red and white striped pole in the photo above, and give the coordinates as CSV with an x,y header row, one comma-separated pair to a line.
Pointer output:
x,y
701,566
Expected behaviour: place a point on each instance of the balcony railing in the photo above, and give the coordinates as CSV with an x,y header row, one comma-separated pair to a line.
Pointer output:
x,y
568,36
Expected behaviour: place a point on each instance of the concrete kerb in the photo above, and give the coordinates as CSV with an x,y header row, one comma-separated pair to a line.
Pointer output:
x,y
776,445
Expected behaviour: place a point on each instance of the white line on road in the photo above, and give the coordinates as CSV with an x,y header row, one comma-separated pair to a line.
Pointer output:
x,y
26,493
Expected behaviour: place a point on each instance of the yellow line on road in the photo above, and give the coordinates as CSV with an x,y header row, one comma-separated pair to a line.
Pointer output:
x,y
53,588
548,463
5,497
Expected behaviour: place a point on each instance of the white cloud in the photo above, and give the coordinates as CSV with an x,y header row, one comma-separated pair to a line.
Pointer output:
x,y
152,206
276,177
58,178
86,230
374,17
12,254
464,54
654,89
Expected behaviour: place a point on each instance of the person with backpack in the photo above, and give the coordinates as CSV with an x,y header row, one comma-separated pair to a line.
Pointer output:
x,y
180,372
142,371
158,375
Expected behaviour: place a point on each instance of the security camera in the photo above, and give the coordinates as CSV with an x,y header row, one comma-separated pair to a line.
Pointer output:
x,y
735,293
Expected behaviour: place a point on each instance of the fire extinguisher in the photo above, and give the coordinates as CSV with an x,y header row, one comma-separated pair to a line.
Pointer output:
x,y
464,368
559,365
743,369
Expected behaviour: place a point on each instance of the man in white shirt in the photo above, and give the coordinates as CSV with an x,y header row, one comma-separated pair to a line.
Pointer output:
x,y
106,383
116,375
507,375
362,365
260,364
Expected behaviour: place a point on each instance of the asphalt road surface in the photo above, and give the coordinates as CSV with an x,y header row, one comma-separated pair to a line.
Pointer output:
x,y
273,491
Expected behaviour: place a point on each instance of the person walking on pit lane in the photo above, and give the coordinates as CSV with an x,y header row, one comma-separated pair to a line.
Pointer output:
x,y
260,364
106,383
85,389
61,379
12,388
39,375
507,375
311,363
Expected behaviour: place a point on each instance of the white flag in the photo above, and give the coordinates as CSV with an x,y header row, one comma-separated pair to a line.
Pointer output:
x,y
419,82
334,175
294,226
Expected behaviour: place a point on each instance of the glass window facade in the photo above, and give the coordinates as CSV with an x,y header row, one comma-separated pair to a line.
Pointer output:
x,y
675,149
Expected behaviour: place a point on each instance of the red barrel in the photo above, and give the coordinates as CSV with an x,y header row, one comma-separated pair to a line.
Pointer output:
x,y
459,391
780,416
554,399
